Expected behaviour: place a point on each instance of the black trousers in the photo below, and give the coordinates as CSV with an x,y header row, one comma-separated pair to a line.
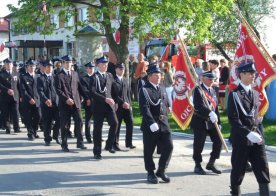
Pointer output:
x,y
65,118
31,116
50,114
256,155
199,141
10,114
126,115
88,117
150,140
97,132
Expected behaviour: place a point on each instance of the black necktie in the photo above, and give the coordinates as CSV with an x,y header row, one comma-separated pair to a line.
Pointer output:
x,y
157,88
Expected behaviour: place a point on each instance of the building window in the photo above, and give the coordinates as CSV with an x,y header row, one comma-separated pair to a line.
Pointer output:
x,y
55,20
82,14
70,22
70,47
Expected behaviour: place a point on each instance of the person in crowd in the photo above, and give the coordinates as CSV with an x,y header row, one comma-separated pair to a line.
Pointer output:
x,y
86,81
9,96
154,107
168,80
69,90
223,82
28,92
49,103
57,66
205,66
132,80
103,106
214,65
124,109
205,115
141,67
198,67
247,132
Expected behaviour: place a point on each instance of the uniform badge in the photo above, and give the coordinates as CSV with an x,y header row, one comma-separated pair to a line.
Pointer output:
x,y
15,78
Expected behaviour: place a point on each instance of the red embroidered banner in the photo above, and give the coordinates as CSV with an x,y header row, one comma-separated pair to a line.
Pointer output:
x,y
182,107
250,49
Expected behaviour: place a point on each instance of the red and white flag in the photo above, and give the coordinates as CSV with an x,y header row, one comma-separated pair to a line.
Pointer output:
x,y
250,49
182,106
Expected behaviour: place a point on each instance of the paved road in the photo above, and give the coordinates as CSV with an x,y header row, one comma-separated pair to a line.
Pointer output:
x,y
30,168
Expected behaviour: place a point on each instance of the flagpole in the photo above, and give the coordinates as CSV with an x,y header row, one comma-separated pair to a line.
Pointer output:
x,y
204,97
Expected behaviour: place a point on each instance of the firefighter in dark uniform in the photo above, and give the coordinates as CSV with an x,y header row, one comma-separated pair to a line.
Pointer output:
x,y
69,89
154,107
124,110
49,103
9,87
203,121
247,132
85,82
103,105
29,97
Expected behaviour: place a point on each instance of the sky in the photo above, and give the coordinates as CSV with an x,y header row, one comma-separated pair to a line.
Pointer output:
x,y
269,38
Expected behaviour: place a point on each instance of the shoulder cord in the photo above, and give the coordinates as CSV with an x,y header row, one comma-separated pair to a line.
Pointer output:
x,y
99,85
149,99
237,99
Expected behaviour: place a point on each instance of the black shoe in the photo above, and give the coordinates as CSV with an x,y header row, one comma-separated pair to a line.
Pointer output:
x,y
81,146
69,135
30,138
57,141
152,178
111,150
36,135
163,176
8,131
65,149
131,146
89,141
47,143
213,168
17,131
116,148
199,170
98,156
248,167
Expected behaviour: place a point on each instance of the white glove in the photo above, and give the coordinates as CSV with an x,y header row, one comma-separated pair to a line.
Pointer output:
x,y
220,127
154,127
254,137
213,117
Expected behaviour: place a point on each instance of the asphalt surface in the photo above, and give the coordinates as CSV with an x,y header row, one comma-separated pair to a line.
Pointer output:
x,y
30,168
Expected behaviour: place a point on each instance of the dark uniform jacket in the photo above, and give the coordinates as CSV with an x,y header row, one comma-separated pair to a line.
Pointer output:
x,y
46,90
68,87
27,88
154,113
123,91
8,81
98,84
86,82
201,113
240,121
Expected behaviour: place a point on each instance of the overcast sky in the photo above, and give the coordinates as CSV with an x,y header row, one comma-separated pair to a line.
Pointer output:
x,y
269,38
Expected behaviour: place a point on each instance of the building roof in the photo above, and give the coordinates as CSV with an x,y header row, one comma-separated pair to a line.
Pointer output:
x,y
88,29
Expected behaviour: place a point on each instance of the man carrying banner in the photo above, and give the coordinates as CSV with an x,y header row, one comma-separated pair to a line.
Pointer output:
x,y
247,133
203,121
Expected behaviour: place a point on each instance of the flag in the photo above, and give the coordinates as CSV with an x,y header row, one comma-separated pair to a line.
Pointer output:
x,y
182,107
2,47
250,49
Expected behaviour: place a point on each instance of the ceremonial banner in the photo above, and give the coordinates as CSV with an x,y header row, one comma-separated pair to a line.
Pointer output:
x,y
250,49
182,107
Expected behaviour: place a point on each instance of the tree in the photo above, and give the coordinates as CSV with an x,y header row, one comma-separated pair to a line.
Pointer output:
x,y
159,17
225,28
